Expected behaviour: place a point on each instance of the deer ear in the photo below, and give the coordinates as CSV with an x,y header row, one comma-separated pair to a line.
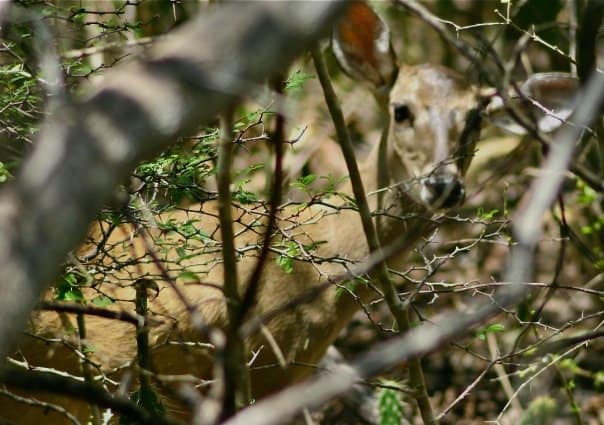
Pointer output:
x,y
361,44
554,95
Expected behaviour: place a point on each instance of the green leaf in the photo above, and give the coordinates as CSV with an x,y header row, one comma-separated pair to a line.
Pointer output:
x,y
351,286
88,349
486,215
4,173
102,301
286,259
346,287
243,196
494,328
586,194
295,82
189,277
67,292
303,182
286,264
569,364
599,379
390,407
67,288
541,411
181,252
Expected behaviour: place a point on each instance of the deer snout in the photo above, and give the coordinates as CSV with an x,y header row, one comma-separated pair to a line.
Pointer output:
x,y
443,191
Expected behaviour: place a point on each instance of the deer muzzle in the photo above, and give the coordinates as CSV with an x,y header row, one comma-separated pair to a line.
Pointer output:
x,y
442,191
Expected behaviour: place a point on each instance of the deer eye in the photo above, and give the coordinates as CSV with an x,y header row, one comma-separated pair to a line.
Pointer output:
x,y
402,114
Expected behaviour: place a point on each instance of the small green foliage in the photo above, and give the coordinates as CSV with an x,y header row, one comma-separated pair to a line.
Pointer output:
x,y
313,245
541,411
181,252
189,277
310,184
286,264
599,380
186,229
594,228
295,83
486,215
570,364
494,328
4,173
88,349
304,182
181,171
390,406
522,373
290,250
350,201
78,68
585,194
78,14
249,118
250,169
286,259
68,288
110,216
344,287
530,352
244,196
351,286
102,301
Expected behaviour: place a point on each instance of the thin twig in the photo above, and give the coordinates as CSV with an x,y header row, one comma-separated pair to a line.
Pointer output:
x,y
41,404
236,373
91,310
84,363
396,306
55,384
253,282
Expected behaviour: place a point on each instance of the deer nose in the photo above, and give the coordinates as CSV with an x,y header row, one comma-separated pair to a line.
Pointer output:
x,y
444,191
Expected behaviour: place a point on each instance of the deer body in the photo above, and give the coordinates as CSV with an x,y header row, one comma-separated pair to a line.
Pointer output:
x,y
303,333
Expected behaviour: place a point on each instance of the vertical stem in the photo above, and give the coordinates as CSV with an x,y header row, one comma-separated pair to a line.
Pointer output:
x,y
396,306
573,22
94,409
277,140
574,405
145,394
236,373
589,23
383,176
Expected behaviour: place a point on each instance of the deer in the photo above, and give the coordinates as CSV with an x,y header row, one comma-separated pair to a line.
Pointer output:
x,y
429,146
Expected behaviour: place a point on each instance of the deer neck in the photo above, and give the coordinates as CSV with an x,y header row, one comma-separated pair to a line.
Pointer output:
x,y
397,210
398,216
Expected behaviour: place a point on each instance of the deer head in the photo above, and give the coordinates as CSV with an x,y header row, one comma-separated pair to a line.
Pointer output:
x,y
434,114
428,108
